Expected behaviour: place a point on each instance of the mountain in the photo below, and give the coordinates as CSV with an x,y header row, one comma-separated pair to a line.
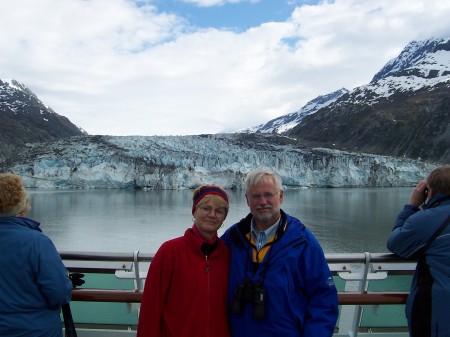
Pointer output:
x,y
390,132
284,123
181,162
24,118
402,112
426,59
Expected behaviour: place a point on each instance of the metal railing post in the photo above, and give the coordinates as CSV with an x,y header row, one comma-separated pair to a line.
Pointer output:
x,y
138,281
355,312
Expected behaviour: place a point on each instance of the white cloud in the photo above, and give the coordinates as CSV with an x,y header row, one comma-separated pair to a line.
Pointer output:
x,y
211,3
113,67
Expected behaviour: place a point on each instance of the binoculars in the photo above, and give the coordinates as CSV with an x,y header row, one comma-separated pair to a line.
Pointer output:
x,y
251,293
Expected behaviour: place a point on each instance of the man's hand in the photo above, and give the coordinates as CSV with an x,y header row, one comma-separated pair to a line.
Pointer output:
x,y
418,195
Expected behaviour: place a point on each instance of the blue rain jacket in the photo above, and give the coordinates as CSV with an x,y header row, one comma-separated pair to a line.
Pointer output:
x,y
412,229
33,281
301,298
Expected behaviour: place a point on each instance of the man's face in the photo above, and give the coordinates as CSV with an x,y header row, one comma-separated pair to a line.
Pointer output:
x,y
264,201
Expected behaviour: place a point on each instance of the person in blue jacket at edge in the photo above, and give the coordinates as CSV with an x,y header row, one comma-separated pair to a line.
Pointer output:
x,y
279,281
428,304
34,283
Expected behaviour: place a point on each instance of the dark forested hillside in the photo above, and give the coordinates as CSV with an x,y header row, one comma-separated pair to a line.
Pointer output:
x,y
414,125
404,111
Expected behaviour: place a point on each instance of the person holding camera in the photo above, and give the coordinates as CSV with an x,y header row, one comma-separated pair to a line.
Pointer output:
x,y
425,235
34,284
185,293
279,282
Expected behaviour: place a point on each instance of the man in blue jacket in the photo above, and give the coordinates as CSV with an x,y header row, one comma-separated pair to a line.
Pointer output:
x,y
33,280
279,282
413,229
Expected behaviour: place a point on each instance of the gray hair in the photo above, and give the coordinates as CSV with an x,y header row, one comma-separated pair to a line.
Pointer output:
x,y
439,180
254,178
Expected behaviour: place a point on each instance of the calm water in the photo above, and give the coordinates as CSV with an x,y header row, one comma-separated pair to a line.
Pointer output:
x,y
343,220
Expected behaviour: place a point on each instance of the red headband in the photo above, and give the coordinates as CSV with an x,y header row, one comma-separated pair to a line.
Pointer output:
x,y
204,191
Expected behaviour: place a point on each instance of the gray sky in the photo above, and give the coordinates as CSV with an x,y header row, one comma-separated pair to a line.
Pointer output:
x,y
174,67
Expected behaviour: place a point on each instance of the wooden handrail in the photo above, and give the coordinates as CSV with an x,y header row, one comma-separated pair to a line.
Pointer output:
x,y
135,296
106,295
372,298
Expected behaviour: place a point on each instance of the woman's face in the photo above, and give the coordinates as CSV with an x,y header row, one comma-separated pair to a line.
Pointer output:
x,y
209,217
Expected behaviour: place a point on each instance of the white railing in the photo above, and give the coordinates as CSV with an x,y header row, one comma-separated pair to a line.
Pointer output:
x,y
356,270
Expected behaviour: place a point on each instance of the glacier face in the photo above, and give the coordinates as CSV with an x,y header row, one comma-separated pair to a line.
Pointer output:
x,y
182,162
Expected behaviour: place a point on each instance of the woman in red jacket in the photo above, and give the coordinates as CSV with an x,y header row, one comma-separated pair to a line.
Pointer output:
x,y
185,292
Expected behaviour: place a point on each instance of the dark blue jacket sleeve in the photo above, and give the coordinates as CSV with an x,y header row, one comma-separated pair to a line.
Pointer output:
x,y
322,306
411,231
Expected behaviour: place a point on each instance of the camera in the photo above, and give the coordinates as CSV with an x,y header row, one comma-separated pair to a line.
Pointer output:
x,y
259,301
247,292
242,294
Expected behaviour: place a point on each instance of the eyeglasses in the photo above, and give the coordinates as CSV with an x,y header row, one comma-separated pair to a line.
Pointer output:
x,y
218,212
266,196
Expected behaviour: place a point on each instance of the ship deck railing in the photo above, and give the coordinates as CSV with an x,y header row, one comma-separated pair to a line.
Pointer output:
x,y
357,275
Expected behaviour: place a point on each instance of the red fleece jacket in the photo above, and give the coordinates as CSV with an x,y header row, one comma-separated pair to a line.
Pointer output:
x,y
185,292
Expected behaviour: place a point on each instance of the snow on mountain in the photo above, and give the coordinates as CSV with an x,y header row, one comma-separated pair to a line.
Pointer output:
x,y
287,122
21,109
428,59
422,64
10,88
403,111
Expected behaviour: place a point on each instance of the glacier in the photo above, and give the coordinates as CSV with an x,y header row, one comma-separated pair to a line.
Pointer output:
x,y
185,162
